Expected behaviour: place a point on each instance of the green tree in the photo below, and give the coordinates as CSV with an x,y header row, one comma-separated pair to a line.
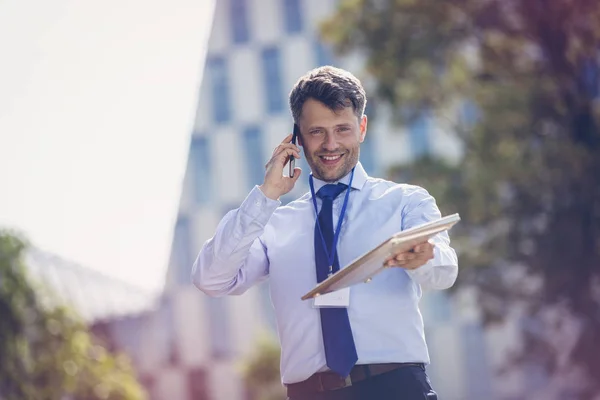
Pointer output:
x,y
261,371
46,352
528,186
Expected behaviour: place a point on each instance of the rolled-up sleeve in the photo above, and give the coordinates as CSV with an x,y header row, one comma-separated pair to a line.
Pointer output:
x,y
441,271
235,258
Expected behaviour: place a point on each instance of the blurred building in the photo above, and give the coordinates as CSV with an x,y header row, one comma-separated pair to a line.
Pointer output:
x,y
257,51
117,313
94,296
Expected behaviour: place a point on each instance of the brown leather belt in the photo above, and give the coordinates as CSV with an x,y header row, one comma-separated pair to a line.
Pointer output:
x,y
324,381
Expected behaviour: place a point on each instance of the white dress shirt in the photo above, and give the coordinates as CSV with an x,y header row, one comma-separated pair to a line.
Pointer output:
x,y
263,239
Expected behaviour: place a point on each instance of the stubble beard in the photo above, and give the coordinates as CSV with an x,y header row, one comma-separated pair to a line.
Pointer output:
x,y
350,159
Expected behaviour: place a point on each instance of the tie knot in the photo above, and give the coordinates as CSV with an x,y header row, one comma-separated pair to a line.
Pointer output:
x,y
331,191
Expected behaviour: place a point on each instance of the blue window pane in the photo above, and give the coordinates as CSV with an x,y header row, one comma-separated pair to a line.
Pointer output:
x,y
418,132
323,54
200,163
293,16
255,159
271,62
239,21
218,76
182,250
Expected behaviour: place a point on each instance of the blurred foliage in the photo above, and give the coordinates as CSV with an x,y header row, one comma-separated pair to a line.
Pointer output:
x,y
261,371
519,82
46,352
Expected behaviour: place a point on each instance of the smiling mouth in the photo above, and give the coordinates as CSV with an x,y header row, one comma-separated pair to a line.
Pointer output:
x,y
331,159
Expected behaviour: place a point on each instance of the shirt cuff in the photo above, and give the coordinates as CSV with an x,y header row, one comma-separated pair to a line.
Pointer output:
x,y
423,273
259,207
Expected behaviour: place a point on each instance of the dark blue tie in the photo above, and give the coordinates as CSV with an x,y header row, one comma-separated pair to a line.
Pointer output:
x,y
340,351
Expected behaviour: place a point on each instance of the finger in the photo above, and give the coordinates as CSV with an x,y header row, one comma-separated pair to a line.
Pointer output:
x,y
421,256
285,146
406,256
429,251
426,247
391,263
399,264
284,155
412,264
421,247
288,138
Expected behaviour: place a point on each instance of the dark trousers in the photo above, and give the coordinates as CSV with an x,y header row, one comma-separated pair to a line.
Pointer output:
x,y
407,383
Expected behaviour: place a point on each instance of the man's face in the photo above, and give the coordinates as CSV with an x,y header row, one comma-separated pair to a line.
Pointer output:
x,y
331,139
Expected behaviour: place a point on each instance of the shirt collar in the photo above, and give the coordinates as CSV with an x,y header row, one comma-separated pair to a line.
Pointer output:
x,y
360,177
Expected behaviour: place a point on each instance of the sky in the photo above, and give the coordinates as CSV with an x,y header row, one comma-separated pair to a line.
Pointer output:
x,y
97,103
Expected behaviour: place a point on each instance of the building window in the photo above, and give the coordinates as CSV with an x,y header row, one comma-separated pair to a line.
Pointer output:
x,y
239,21
200,163
418,131
182,256
292,16
323,54
255,159
220,335
271,62
218,76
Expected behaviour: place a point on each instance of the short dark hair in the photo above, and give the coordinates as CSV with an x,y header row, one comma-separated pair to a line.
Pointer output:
x,y
334,87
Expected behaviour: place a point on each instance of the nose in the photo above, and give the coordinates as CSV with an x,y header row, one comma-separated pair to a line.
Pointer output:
x,y
330,143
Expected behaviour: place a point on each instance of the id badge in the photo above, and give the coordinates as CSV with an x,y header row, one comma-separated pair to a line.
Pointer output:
x,y
339,298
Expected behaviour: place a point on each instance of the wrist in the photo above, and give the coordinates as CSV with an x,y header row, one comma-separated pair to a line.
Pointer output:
x,y
269,192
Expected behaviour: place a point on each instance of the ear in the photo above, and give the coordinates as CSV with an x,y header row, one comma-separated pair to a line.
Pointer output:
x,y
363,129
299,139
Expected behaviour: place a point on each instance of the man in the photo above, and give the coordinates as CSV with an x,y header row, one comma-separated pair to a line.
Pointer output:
x,y
371,346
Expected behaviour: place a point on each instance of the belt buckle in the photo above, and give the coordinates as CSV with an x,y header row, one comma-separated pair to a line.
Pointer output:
x,y
348,381
337,383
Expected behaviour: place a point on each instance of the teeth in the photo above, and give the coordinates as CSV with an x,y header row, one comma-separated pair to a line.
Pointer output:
x,y
331,158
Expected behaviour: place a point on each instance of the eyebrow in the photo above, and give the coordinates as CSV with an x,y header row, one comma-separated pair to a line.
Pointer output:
x,y
345,124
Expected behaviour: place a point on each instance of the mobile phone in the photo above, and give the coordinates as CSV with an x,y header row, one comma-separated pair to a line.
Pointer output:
x,y
295,134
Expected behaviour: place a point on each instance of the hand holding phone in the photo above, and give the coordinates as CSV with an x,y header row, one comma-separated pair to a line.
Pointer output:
x,y
275,183
292,161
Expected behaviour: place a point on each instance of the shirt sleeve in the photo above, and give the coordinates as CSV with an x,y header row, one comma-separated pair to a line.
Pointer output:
x,y
441,271
235,258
